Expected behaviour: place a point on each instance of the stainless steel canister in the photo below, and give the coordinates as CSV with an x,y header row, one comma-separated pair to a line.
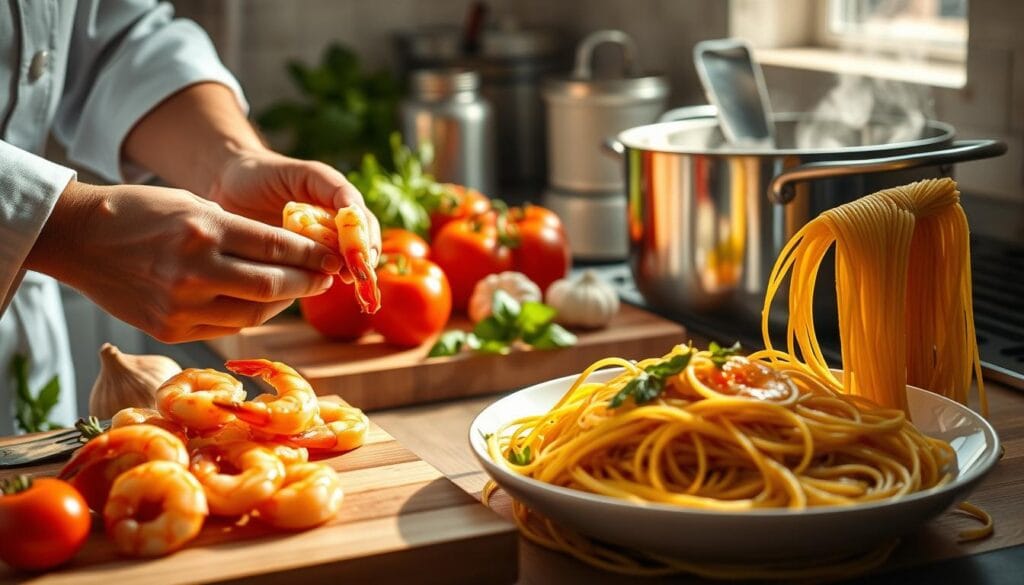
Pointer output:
x,y
511,62
707,221
583,111
446,111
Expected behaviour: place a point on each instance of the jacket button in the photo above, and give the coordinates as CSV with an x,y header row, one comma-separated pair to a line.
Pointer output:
x,y
40,61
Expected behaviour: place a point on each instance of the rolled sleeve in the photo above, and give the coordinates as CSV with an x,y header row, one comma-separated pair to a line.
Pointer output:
x,y
126,58
29,188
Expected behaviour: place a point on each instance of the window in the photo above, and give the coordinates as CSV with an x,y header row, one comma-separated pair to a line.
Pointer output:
x,y
932,29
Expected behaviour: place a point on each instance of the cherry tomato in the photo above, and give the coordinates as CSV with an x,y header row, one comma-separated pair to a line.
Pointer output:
x,y
336,313
541,250
463,203
467,250
399,241
43,522
416,300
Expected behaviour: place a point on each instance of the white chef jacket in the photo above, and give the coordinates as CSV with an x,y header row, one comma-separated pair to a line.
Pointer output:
x,y
87,70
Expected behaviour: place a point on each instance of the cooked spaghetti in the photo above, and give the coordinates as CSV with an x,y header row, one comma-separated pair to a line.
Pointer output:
x,y
712,430
903,289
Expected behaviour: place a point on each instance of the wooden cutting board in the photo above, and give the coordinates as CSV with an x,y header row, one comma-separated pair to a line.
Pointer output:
x,y
371,374
401,521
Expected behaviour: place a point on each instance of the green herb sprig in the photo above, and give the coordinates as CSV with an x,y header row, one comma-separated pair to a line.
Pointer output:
x,y
720,355
523,457
531,322
32,413
650,383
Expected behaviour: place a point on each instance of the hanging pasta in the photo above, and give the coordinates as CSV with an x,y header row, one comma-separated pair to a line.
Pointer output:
x,y
903,291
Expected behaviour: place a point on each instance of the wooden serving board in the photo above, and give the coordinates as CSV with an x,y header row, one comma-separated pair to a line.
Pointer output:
x,y
371,374
401,521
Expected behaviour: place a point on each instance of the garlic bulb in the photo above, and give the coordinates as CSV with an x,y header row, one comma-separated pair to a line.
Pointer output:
x,y
586,301
128,380
516,284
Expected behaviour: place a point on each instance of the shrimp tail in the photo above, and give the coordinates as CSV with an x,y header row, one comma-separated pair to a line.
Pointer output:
x,y
252,367
319,437
254,413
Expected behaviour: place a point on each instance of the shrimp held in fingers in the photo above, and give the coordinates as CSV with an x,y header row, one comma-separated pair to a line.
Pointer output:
x,y
343,429
292,411
354,245
154,509
259,474
311,495
94,467
188,398
314,222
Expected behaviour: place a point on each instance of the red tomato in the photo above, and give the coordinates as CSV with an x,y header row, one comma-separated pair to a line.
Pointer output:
x,y
336,313
399,241
463,203
467,250
541,251
42,525
416,300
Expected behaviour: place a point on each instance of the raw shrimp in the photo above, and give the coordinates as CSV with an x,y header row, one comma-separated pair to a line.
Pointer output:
x,y
354,244
94,467
316,223
188,398
154,509
343,429
292,411
311,495
146,416
259,474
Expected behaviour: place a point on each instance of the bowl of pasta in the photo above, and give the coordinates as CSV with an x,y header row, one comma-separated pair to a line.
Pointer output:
x,y
711,462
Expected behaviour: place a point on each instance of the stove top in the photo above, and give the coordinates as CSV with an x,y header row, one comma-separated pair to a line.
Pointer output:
x,y
998,311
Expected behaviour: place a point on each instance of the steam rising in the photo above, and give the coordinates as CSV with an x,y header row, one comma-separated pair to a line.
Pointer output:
x,y
865,110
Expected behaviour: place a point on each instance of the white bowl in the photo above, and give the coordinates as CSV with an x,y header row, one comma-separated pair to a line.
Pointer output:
x,y
757,535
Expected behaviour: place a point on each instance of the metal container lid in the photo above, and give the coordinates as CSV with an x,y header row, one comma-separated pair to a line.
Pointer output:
x,y
581,85
432,84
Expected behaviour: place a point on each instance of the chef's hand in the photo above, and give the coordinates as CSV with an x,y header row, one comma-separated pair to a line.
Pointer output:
x,y
173,264
258,184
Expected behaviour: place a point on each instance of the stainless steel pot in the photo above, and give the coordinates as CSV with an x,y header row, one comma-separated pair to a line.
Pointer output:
x,y
707,222
583,110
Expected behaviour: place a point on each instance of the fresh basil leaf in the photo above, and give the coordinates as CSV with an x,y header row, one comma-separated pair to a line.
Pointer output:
x,y
551,336
505,308
495,346
448,344
492,329
648,389
628,390
669,367
720,355
534,316
520,457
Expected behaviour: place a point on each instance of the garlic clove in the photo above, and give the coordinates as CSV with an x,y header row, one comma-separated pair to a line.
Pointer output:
x,y
127,380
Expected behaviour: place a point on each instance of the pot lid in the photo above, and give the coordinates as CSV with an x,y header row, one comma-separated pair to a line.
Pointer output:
x,y
583,85
695,130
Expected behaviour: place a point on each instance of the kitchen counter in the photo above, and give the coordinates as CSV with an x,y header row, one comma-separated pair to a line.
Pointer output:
x,y
437,432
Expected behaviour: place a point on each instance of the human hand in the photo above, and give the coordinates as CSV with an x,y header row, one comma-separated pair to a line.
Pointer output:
x,y
173,264
258,184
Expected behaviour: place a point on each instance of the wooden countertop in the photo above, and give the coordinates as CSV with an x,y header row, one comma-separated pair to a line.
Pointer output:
x,y
439,434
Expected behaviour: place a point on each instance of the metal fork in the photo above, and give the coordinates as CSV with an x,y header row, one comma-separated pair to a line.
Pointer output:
x,y
39,449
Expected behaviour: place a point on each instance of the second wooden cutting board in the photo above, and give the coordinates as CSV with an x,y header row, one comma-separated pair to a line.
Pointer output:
x,y
371,374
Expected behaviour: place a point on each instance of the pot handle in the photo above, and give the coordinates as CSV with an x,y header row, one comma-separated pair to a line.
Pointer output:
x,y
781,188
585,52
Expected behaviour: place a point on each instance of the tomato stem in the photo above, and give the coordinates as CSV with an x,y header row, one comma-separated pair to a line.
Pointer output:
x,y
16,484
90,428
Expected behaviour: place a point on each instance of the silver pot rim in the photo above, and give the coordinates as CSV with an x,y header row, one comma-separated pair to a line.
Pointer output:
x,y
652,138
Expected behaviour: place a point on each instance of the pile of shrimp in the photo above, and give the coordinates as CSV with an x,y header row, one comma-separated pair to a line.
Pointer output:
x,y
204,449
345,231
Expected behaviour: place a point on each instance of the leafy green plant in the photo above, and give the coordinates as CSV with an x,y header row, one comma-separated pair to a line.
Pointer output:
x,y
32,413
403,197
650,383
345,112
531,323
